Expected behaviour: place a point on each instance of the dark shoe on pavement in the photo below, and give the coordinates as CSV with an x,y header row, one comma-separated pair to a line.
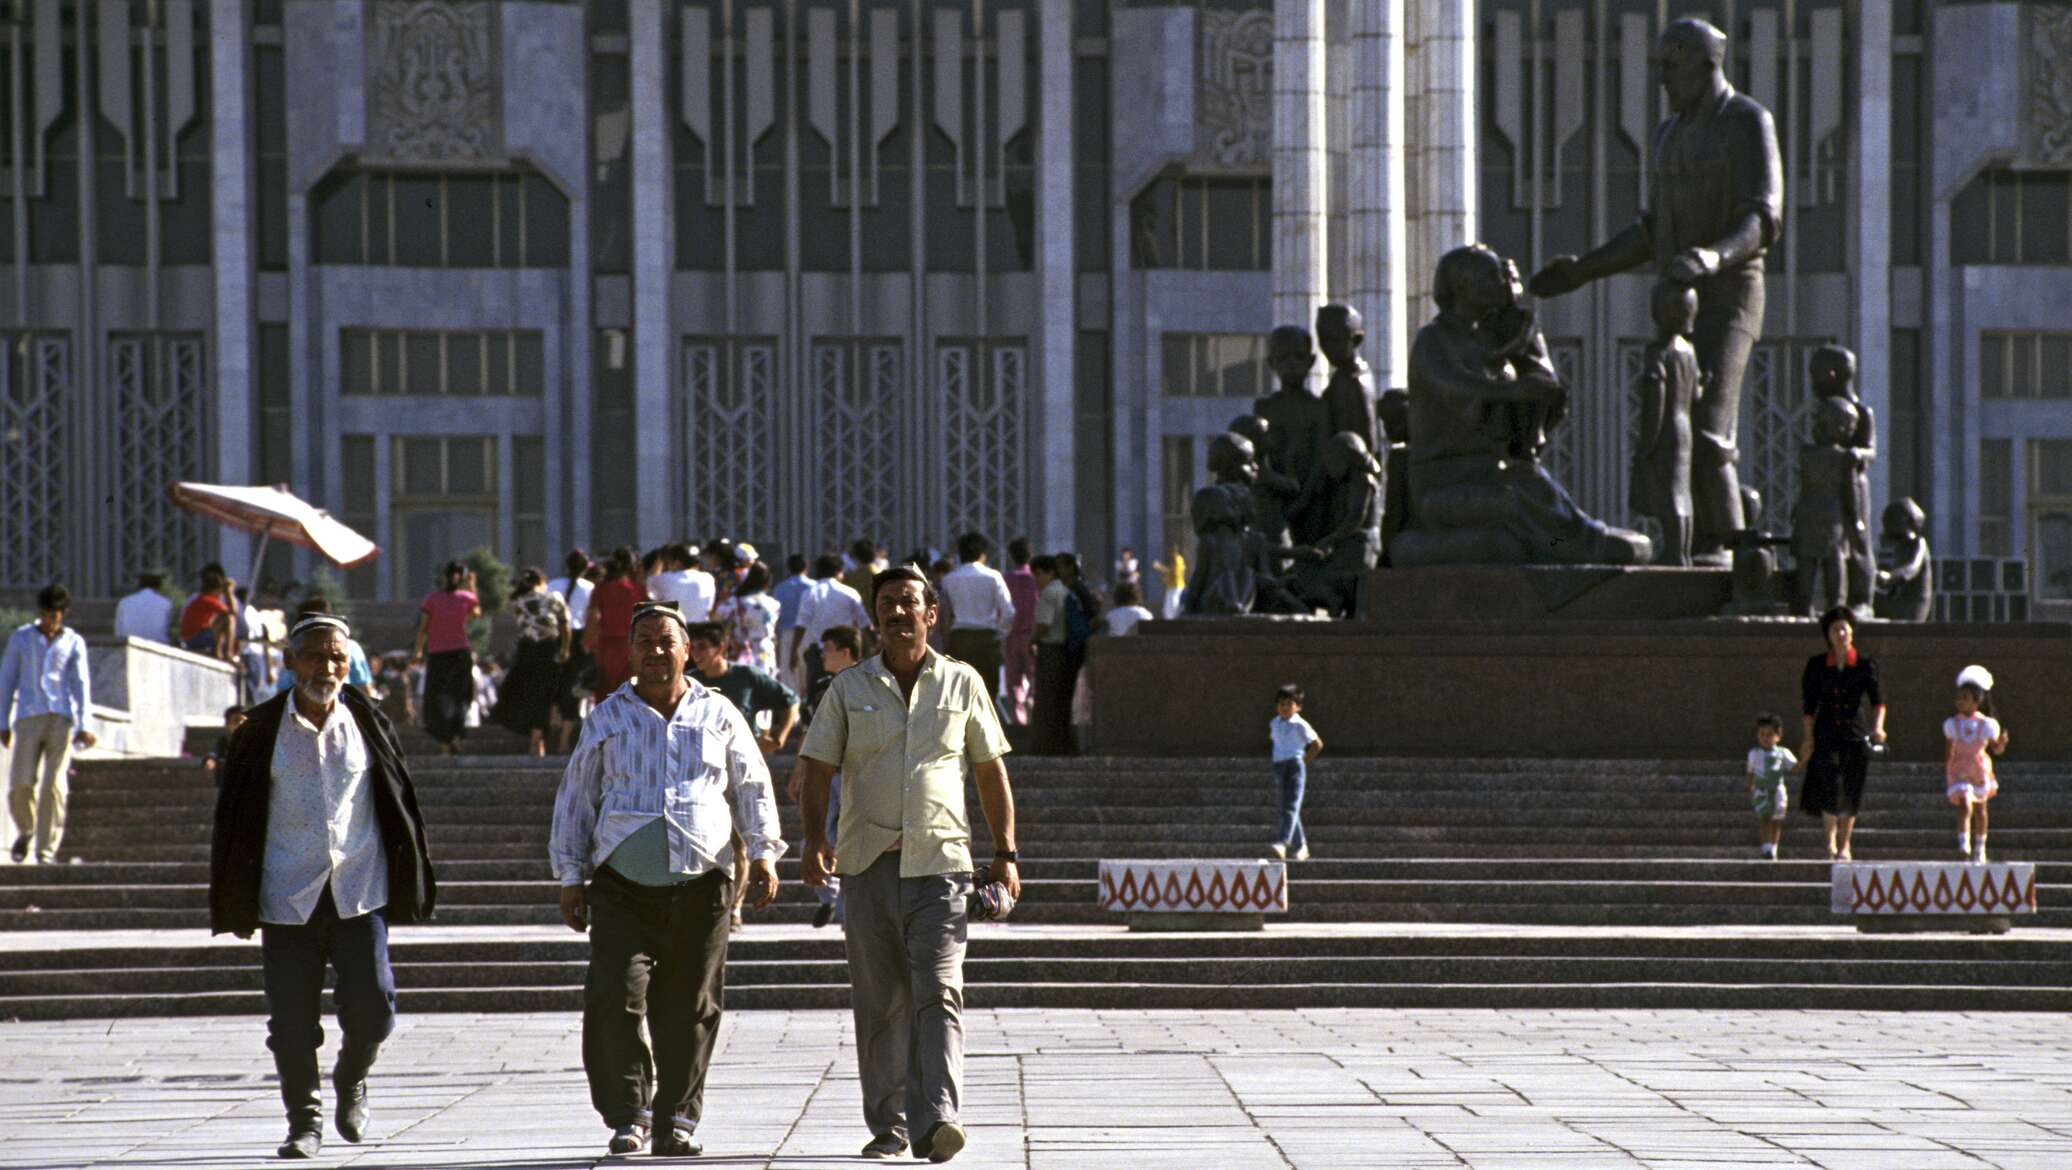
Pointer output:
x,y
888,1146
302,1143
945,1140
20,852
824,915
352,1111
677,1143
349,1081
627,1139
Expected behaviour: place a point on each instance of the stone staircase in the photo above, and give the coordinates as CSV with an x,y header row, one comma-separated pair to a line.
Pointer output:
x,y
1457,883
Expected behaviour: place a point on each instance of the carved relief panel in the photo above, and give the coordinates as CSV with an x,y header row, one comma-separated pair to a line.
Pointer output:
x,y
434,82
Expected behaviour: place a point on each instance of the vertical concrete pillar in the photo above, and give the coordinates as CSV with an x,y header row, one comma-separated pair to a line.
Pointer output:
x,y
1056,275
230,246
1378,284
1870,248
654,258
1301,255
1448,53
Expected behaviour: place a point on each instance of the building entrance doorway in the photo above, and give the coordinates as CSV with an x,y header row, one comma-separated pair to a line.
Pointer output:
x,y
443,503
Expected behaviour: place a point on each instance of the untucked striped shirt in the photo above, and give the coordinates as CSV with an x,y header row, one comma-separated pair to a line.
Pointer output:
x,y
698,771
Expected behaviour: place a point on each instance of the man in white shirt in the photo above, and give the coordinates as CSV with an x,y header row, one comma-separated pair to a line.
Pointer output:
x,y
319,847
981,609
681,581
829,603
147,613
666,773
574,589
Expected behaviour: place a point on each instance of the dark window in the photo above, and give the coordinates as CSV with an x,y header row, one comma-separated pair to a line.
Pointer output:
x,y
2025,365
1907,453
612,486
2013,217
529,501
1198,223
1215,365
462,362
1908,219
611,189
441,221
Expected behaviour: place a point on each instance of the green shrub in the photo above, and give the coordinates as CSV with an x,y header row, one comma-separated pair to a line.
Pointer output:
x,y
328,585
492,589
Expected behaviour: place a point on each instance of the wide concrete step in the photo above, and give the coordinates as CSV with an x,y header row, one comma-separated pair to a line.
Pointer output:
x,y
1659,995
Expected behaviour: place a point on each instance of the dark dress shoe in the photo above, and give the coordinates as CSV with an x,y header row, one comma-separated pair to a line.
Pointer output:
x,y
352,1111
888,1146
303,1143
20,852
677,1143
945,1140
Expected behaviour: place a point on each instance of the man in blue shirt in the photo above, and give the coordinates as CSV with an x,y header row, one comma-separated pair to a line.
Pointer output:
x,y
788,593
44,698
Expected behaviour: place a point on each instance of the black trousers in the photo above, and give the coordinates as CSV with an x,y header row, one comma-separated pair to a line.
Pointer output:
x,y
1052,718
980,649
660,955
292,960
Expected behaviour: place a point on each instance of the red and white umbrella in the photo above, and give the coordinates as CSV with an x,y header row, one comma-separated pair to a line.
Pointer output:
x,y
275,513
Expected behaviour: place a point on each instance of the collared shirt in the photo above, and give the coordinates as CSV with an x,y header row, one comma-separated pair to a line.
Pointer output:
x,y
146,614
692,589
698,771
902,762
44,676
320,825
979,598
1050,612
789,592
577,594
827,605
1021,585
1291,737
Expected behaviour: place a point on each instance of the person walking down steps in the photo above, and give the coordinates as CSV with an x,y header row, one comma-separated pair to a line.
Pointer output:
x,y
1769,763
1971,738
1295,744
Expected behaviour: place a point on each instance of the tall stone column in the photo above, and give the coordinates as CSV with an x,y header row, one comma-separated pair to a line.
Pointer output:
x,y
654,258
1056,274
231,244
1377,205
1870,251
1448,187
1301,179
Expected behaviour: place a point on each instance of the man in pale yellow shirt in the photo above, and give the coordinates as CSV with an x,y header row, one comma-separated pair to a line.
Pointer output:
x,y
900,728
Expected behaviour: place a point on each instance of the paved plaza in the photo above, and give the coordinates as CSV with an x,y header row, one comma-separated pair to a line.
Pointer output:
x,y
1122,1091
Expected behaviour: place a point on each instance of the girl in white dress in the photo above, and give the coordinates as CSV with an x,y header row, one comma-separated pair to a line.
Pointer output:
x,y
1971,738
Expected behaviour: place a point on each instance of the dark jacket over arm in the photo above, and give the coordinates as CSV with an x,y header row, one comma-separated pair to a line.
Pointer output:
x,y
238,849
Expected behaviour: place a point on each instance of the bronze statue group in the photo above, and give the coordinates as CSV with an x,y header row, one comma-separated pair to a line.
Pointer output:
x,y
1310,493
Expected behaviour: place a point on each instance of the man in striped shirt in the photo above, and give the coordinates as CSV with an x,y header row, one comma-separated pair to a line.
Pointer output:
x,y
665,773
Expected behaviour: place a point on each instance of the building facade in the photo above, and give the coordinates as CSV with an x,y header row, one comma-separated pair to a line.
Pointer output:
x,y
533,274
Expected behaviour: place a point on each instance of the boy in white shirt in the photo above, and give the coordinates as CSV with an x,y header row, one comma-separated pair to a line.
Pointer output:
x,y
1295,744
1768,765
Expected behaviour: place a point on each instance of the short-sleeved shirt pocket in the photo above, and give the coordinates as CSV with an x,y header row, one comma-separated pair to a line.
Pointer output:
x,y
947,723
873,723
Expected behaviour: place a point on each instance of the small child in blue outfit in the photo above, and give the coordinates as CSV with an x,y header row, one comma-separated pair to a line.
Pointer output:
x,y
1295,744
1768,765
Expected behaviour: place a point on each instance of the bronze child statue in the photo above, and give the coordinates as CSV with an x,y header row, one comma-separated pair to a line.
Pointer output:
x,y
1826,519
1349,395
1298,423
1273,492
1669,382
1906,590
1343,556
1833,371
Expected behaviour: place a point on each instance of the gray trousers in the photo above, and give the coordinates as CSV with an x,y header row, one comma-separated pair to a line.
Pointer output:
x,y
906,941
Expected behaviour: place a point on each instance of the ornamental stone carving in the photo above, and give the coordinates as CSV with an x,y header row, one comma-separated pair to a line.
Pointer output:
x,y
434,88
2049,138
1233,110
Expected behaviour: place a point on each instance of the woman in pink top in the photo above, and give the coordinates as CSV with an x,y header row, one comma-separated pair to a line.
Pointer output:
x,y
449,661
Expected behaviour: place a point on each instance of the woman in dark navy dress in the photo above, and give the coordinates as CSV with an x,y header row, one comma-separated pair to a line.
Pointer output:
x,y
1836,750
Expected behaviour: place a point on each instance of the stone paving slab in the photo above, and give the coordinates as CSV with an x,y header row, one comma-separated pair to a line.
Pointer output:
x,y
1293,1090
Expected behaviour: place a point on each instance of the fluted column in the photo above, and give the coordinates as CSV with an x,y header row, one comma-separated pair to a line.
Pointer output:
x,y
1448,50
653,260
1301,181
1376,216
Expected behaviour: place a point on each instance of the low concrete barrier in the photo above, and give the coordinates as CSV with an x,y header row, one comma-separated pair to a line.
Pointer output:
x,y
1195,894
1933,895
153,693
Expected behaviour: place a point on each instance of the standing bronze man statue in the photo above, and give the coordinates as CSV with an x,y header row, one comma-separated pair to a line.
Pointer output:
x,y
1715,203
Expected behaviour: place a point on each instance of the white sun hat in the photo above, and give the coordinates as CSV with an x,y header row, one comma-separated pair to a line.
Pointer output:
x,y
1977,676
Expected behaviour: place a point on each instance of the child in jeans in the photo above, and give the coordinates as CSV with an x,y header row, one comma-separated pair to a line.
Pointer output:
x,y
1768,765
1295,744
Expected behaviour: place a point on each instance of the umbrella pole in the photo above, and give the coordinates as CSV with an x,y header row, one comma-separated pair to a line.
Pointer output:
x,y
258,556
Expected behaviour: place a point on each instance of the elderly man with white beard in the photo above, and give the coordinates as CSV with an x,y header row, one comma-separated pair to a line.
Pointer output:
x,y
319,847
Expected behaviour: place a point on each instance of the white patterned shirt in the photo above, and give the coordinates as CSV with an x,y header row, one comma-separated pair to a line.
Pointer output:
x,y
698,771
320,826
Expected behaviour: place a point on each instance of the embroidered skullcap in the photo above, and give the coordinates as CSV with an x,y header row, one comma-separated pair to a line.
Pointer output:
x,y
667,609
319,621
1977,676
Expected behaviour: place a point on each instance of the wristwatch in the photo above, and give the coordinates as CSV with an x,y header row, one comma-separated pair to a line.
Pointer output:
x,y
1007,855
